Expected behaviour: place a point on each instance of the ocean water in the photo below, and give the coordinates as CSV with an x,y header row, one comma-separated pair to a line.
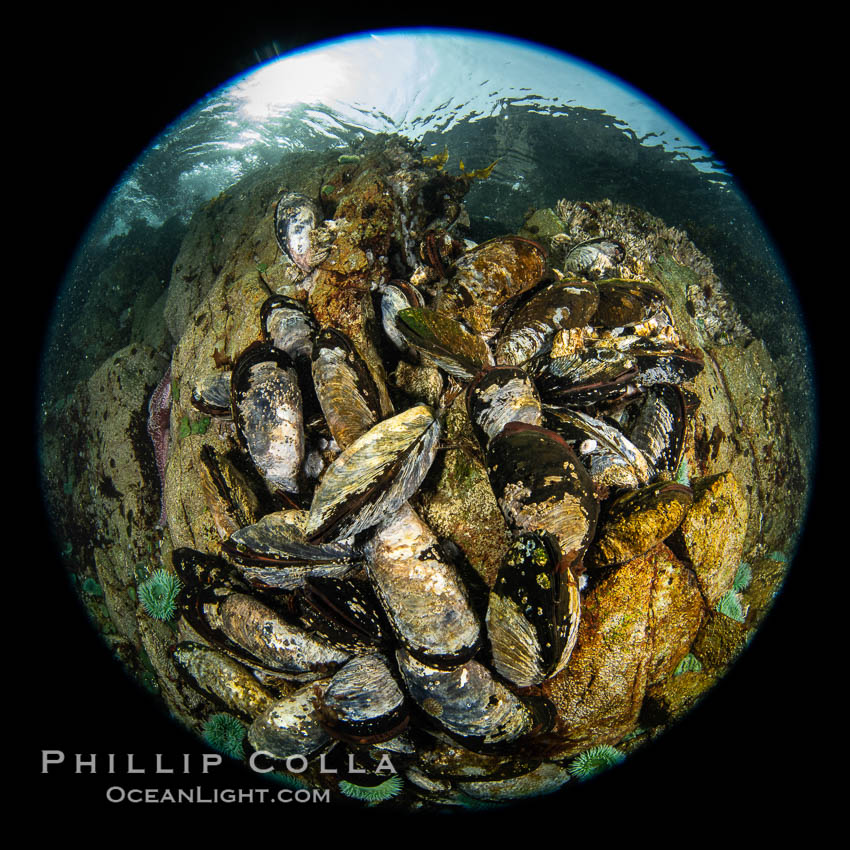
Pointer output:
x,y
558,128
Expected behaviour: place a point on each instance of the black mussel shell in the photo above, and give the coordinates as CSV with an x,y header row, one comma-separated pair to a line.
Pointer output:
x,y
288,326
452,347
295,217
660,365
659,430
374,476
346,390
423,595
344,611
363,703
530,329
610,457
595,257
541,485
533,616
395,296
199,569
626,302
592,376
221,678
267,410
262,636
212,394
500,395
471,704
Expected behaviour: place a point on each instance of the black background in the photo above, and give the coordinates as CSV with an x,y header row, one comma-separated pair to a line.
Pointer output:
x,y
96,91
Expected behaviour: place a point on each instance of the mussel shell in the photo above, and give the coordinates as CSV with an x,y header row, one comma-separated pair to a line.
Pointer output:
x,y
545,779
591,376
200,569
626,302
534,611
612,460
267,409
345,387
637,521
500,395
665,366
345,612
364,703
470,704
375,475
541,485
262,636
395,296
225,680
292,726
530,329
211,394
424,599
491,273
288,326
229,497
445,341
659,430
295,217
595,258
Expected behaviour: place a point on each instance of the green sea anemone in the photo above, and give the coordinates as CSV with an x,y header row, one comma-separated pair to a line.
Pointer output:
x,y
689,664
388,789
159,594
91,587
730,606
743,577
594,761
224,733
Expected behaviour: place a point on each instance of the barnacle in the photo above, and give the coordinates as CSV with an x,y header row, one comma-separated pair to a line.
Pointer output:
x,y
224,732
594,761
388,789
159,594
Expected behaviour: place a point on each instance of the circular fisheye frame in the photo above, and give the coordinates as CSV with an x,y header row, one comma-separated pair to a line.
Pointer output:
x,y
431,446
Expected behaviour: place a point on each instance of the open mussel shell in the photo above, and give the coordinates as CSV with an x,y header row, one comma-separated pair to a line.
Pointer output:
x,y
395,296
595,258
541,485
292,726
375,475
659,430
345,612
530,329
491,273
220,677
534,611
626,302
500,395
288,326
637,521
347,393
423,597
445,341
472,705
610,457
261,636
267,409
363,702
590,376
295,217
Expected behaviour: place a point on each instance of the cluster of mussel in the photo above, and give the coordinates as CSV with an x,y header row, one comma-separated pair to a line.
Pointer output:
x,y
573,390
